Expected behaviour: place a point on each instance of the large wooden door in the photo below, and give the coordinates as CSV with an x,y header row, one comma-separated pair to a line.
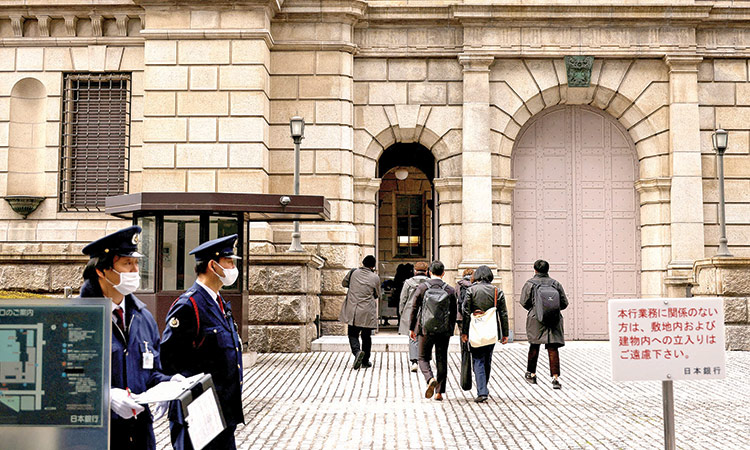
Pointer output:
x,y
575,206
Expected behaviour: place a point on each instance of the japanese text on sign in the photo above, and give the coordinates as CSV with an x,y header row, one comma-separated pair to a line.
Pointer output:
x,y
667,339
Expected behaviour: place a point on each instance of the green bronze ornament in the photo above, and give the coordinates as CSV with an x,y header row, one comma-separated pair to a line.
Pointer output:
x,y
579,70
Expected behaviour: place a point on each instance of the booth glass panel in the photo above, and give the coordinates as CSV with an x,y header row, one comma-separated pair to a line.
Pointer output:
x,y
147,264
181,234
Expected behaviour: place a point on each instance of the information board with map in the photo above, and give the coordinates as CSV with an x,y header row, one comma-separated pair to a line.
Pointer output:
x,y
51,363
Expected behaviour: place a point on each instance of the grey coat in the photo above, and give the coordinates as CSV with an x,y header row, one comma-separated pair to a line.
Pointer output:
x,y
405,303
536,332
360,307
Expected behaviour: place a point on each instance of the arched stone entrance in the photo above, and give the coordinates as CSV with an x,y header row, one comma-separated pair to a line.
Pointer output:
x,y
575,206
405,212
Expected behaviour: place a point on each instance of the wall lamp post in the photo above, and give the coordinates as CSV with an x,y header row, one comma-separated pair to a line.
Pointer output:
x,y
297,127
720,141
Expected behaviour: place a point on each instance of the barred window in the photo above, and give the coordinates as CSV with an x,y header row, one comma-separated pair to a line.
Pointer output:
x,y
95,140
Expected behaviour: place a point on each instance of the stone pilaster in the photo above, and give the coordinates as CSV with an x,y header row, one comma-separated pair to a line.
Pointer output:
x,y
449,210
476,163
502,213
283,302
365,211
686,221
728,278
653,194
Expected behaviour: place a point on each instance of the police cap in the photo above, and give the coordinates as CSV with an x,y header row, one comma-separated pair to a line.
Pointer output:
x,y
222,247
120,243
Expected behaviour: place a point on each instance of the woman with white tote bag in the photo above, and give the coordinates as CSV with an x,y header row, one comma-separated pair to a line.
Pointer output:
x,y
485,304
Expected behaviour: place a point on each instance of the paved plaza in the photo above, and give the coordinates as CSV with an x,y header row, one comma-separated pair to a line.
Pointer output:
x,y
317,401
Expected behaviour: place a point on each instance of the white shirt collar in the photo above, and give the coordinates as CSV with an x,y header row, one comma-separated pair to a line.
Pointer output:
x,y
209,290
435,277
120,306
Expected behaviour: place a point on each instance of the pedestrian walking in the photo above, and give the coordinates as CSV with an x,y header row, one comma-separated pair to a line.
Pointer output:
x,y
201,337
403,273
433,318
480,297
543,297
112,272
461,287
406,303
360,309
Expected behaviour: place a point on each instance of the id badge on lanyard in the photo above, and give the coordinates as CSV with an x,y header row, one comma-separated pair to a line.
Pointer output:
x,y
148,358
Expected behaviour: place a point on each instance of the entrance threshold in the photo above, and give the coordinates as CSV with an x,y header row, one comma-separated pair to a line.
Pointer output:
x,y
399,343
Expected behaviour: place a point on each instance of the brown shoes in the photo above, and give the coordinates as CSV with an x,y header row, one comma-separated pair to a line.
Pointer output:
x,y
430,388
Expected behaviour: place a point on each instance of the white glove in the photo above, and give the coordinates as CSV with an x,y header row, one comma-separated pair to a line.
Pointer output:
x,y
122,404
177,377
159,409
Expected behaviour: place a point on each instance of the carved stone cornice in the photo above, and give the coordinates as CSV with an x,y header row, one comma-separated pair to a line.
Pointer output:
x,y
122,24
43,23
96,25
683,63
16,22
654,190
476,62
70,25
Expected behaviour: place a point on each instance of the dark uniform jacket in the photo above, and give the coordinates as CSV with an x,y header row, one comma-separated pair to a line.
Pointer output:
x,y
415,323
128,371
208,343
536,332
481,296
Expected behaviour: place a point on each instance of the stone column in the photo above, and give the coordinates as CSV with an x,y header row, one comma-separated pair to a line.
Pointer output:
x,y
476,163
728,278
283,301
686,212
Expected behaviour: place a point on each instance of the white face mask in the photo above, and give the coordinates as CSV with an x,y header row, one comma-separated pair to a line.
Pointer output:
x,y
129,282
230,276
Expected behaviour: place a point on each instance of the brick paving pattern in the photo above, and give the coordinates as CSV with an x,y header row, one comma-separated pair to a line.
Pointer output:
x,y
317,401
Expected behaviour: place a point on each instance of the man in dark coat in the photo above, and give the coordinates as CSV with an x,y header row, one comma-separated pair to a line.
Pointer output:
x,y
360,309
429,340
112,272
201,336
536,332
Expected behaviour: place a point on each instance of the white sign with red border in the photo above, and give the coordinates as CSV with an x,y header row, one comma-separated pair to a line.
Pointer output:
x,y
667,338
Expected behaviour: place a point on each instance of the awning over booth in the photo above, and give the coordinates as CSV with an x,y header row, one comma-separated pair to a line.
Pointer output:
x,y
255,207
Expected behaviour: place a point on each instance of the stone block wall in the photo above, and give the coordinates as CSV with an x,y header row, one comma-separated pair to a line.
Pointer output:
x,y
724,97
283,301
728,278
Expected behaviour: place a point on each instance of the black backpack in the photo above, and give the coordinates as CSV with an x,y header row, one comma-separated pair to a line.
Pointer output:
x,y
436,310
547,304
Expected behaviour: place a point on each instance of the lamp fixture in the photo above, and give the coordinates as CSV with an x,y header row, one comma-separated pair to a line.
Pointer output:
x,y
401,174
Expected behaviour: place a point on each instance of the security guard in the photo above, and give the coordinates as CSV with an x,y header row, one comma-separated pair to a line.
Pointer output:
x,y
112,272
201,336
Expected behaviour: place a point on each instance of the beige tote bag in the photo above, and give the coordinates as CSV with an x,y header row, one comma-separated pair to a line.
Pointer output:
x,y
483,327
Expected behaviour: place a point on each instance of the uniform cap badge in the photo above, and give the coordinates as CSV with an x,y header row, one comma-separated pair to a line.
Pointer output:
x,y
174,322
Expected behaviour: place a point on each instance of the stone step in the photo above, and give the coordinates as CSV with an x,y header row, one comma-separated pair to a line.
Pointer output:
x,y
387,343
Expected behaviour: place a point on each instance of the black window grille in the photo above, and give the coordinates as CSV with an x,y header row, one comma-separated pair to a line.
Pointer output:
x,y
95,139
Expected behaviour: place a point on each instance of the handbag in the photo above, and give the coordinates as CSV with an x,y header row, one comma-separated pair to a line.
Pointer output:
x,y
483,328
465,367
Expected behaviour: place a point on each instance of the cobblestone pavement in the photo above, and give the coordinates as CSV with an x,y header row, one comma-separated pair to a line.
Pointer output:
x,y
317,401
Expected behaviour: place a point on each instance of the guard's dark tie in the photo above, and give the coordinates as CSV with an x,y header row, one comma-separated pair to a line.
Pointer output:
x,y
120,321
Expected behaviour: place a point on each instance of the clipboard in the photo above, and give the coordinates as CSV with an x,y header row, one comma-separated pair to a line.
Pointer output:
x,y
204,419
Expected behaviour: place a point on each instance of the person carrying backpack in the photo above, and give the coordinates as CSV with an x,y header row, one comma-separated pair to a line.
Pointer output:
x,y
480,297
544,298
462,286
433,318
405,306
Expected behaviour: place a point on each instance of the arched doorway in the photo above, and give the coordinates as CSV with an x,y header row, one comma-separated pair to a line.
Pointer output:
x,y
575,206
405,213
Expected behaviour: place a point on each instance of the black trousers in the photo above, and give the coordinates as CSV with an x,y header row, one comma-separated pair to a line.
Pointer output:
x,y
554,358
366,333
440,342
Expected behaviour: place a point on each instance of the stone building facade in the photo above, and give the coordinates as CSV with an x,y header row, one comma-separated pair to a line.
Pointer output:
x,y
508,160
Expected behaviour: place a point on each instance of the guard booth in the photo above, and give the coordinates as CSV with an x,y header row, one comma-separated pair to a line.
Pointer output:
x,y
176,222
